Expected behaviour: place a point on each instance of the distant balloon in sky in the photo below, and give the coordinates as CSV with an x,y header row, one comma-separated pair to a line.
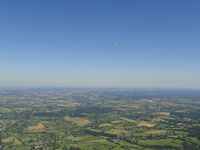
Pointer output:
x,y
114,45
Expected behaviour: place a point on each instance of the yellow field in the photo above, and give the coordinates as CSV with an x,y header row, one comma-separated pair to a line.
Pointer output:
x,y
105,125
145,124
156,119
180,111
163,113
155,132
37,128
77,120
128,120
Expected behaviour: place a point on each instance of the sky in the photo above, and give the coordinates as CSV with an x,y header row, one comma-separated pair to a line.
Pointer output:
x,y
103,43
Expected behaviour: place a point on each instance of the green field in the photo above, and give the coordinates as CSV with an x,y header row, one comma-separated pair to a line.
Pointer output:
x,y
84,119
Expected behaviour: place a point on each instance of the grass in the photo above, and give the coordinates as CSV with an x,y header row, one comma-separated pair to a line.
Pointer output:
x,y
87,138
128,120
116,131
162,113
105,125
72,138
10,140
196,125
115,121
156,119
159,132
5,110
36,128
88,142
77,120
100,143
68,104
146,124
162,143
194,140
181,111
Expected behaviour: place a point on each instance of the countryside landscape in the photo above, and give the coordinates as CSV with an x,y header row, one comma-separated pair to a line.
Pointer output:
x,y
99,74
99,119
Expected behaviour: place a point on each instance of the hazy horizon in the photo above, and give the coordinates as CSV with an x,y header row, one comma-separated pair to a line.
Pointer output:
x,y
100,43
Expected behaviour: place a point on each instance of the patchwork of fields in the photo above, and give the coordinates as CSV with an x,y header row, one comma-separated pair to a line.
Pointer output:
x,y
99,119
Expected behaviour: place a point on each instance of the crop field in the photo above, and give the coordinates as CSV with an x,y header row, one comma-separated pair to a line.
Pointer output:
x,y
100,119
77,120
163,113
146,124
13,140
162,143
159,132
36,128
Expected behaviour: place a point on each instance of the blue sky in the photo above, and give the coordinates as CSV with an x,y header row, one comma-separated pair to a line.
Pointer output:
x,y
71,43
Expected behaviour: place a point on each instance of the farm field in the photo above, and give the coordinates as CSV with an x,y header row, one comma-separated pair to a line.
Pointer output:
x,y
99,119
